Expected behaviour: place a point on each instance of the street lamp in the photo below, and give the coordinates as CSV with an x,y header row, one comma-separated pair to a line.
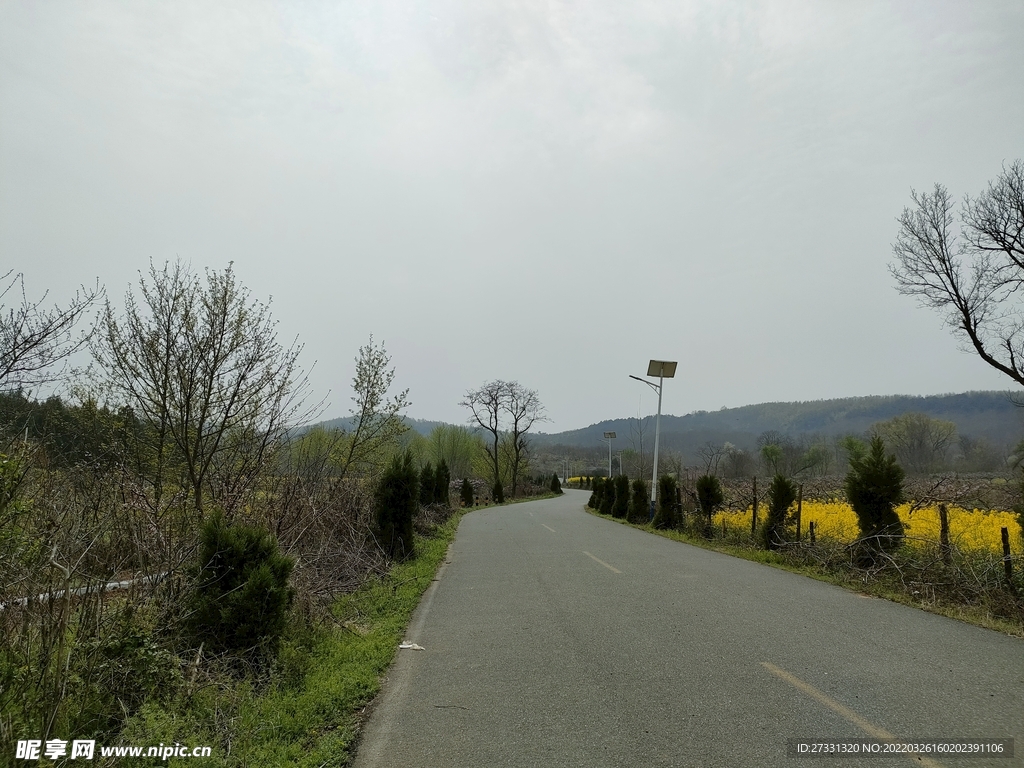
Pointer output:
x,y
608,437
663,369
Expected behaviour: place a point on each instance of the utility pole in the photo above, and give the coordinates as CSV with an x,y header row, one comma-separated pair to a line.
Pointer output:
x,y
608,437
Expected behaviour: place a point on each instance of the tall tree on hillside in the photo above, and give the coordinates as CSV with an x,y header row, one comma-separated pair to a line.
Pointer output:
x,y
973,274
921,443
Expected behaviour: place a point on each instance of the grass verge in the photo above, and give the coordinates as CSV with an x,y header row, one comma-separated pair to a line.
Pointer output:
x,y
307,713
858,581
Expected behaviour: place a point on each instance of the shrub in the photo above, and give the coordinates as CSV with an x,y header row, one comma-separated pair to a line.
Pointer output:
x,y
781,495
874,487
667,515
639,504
241,596
710,497
607,496
427,484
467,492
595,494
395,503
442,483
620,506
498,493
556,487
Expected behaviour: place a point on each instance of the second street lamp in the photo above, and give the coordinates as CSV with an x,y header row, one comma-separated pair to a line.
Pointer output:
x,y
608,437
663,369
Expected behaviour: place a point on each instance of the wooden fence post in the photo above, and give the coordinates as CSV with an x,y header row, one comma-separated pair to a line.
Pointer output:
x,y
810,531
944,548
1007,561
753,518
799,508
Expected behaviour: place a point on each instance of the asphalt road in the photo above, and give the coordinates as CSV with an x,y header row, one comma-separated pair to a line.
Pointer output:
x,y
555,638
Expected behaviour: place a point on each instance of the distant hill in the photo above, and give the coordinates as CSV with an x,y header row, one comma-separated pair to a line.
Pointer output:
x,y
992,415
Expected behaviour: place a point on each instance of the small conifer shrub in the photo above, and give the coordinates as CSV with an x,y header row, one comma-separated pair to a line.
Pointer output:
x,y
607,496
498,493
595,494
467,492
667,516
555,486
874,486
442,483
395,503
781,495
426,485
241,597
639,503
620,507
710,497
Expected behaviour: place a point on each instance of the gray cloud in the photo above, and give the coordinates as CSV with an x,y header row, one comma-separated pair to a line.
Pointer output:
x,y
554,192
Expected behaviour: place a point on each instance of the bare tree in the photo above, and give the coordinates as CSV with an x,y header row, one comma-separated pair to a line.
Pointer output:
x,y
524,409
636,438
711,456
972,277
34,340
506,410
202,367
486,405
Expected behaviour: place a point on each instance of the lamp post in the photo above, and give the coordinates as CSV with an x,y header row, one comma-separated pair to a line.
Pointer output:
x,y
663,369
608,437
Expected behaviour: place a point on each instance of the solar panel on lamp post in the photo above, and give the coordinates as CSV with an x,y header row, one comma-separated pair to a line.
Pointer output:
x,y
663,369
608,437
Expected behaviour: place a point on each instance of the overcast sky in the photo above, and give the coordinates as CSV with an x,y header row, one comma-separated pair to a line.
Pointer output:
x,y
553,192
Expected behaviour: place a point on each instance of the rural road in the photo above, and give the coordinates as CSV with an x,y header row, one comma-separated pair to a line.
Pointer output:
x,y
555,638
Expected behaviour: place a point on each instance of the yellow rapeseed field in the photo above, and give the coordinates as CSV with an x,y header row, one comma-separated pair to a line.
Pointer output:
x,y
976,529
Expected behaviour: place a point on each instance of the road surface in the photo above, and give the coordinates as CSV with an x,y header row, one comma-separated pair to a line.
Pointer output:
x,y
555,638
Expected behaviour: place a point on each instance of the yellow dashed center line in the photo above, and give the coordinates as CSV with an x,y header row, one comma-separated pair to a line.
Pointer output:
x,y
602,562
845,712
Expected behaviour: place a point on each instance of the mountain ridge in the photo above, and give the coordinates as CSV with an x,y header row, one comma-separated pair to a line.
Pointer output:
x,y
989,414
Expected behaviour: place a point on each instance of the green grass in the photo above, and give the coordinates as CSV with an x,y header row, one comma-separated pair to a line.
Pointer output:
x,y
977,614
308,713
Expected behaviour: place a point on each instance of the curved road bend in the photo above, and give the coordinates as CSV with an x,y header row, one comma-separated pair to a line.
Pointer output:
x,y
555,638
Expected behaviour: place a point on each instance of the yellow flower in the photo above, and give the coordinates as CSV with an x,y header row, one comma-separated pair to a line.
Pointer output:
x,y
975,530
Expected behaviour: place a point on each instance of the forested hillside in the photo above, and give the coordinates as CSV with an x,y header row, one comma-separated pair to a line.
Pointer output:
x,y
990,415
